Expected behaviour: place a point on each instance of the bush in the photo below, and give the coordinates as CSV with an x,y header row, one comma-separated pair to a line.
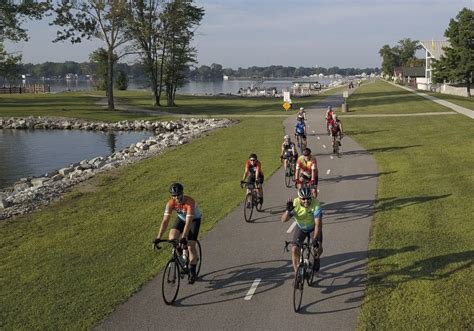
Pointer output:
x,y
121,81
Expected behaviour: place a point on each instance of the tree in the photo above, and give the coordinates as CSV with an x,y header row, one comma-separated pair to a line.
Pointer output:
x,y
401,55
9,68
121,81
406,50
180,19
457,63
99,58
101,19
146,29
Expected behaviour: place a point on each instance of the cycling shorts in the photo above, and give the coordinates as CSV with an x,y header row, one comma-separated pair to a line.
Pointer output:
x,y
193,228
299,235
251,178
302,135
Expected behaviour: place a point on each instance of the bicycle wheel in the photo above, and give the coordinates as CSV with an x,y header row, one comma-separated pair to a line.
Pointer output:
x,y
256,203
170,282
336,147
199,257
248,207
288,176
298,288
310,271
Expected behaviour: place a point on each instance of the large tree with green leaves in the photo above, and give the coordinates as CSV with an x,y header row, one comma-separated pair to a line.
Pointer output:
x,y
180,19
145,28
402,54
457,63
101,19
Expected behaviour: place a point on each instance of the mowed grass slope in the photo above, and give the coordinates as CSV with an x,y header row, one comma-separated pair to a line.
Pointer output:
x,y
380,97
420,271
457,100
68,266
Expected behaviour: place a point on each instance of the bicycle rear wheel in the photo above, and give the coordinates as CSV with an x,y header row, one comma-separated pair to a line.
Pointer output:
x,y
170,282
248,207
298,288
310,272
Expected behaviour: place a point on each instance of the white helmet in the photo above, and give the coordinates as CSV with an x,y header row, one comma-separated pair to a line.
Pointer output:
x,y
301,108
286,137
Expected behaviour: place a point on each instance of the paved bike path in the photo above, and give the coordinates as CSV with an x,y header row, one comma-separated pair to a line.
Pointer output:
x,y
236,254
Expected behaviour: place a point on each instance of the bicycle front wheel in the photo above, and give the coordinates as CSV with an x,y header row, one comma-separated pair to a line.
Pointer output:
x,y
199,257
170,282
248,207
288,176
298,288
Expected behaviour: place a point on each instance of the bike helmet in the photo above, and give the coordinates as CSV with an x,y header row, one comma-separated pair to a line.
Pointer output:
x,y
176,189
305,193
329,108
301,108
286,137
307,152
253,156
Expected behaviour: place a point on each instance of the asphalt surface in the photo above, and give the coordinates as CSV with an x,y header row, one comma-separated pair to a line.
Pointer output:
x,y
236,254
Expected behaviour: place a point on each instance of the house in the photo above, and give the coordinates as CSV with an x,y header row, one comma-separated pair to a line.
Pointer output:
x,y
305,87
433,51
409,75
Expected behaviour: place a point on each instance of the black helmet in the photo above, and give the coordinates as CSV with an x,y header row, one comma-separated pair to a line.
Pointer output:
x,y
176,189
307,152
253,156
305,193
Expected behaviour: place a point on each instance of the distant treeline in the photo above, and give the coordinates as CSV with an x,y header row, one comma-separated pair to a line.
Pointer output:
x,y
204,72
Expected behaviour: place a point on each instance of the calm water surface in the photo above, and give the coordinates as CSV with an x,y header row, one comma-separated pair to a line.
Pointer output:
x,y
36,152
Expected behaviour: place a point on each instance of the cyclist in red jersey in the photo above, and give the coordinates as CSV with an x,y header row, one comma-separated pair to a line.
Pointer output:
x,y
186,226
307,170
253,173
329,115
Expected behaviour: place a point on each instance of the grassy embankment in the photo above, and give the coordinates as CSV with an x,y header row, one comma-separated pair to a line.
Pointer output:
x,y
71,264
421,249
458,100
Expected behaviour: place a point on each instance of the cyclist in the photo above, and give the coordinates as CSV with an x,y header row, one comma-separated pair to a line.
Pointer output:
x,y
335,128
308,215
288,151
186,226
300,131
301,114
307,170
329,114
254,174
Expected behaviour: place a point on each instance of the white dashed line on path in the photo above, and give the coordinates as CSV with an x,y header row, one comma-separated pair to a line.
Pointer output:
x,y
318,137
324,146
331,157
253,288
327,172
292,226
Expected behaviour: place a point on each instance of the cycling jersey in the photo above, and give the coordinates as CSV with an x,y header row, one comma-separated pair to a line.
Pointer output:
x,y
304,216
300,127
306,165
252,168
187,207
288,148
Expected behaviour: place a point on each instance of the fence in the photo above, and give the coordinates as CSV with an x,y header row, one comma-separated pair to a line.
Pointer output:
x,y
34,88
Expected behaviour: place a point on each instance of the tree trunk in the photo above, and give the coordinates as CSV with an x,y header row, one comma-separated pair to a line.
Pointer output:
x,y
110,79
468,86
161,69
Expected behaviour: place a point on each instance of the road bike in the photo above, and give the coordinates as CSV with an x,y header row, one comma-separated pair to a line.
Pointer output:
x,y
290,170
251,199
336,144
176,268
305,270
301,142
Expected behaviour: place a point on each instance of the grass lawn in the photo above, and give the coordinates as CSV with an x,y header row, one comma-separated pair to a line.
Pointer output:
x,y
381,97
420,271
68,266
458,100
219,105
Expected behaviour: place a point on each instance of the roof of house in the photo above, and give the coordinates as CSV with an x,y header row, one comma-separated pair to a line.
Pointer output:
x,y
410,71
435,47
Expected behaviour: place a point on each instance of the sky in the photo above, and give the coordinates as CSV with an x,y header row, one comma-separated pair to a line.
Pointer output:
x,y
309,33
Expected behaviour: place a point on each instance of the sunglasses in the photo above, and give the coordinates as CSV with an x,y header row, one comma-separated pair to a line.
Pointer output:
x,y
253,160
305,199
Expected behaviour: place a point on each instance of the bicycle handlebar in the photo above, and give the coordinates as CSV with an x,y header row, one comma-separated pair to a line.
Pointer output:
x,y
156,242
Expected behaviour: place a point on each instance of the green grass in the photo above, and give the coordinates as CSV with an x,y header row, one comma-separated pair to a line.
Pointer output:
x,y
75,105
219,105
458,100
381,97
420,271
68,266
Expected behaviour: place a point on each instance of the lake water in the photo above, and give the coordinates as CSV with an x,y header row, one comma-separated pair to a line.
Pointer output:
x,y
193,87
35,152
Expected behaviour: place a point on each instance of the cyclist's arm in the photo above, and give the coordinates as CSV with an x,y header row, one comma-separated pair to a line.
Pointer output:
x,y
286,216
282,150
314,172
187,225
165,221
340,128
318,227
297,171
258,172
246,172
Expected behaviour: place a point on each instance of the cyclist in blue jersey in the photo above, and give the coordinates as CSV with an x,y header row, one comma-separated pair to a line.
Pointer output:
x,y
300,132
307,212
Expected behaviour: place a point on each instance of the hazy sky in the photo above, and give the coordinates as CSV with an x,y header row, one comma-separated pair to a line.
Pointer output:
x,y
242,33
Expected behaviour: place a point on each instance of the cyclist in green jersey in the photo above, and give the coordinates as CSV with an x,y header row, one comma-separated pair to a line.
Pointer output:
x,y
307,212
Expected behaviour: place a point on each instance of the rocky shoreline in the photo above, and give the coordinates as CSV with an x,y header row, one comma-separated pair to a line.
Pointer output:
x,y
27,194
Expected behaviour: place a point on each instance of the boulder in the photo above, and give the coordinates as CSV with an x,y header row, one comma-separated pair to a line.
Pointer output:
x,y
65,171
37,182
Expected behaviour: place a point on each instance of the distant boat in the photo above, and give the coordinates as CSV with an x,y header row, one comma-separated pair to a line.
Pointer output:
x,y
225,77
